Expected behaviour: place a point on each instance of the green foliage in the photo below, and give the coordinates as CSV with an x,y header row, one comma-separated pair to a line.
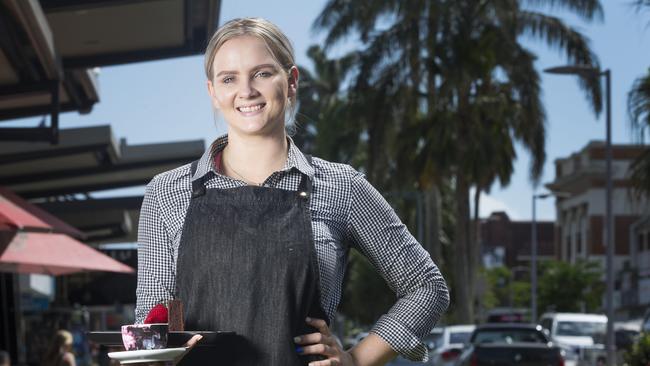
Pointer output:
x,y
640,353
567,288
366,296
503,290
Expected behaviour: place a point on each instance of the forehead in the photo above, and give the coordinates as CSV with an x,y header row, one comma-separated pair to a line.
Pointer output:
x,y
243,52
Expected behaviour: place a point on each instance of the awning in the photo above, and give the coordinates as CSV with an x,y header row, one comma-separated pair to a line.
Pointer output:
x,y
52,254
18,214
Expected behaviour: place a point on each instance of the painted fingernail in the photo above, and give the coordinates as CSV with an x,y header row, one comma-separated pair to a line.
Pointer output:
x,y
299,349
296,339
308,319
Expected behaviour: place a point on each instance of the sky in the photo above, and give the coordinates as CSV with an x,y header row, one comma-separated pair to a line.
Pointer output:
x,y
164,101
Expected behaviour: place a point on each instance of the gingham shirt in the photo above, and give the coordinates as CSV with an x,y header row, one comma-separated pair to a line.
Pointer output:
x,y
346,211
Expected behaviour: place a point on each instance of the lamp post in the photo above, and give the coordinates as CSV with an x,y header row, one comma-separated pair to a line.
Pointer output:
x,y
609,227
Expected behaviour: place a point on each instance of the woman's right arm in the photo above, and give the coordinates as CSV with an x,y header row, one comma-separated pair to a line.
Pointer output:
x,y
156,268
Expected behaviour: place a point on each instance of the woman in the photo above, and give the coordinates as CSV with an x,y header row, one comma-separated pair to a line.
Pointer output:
x,y
59,353
253,237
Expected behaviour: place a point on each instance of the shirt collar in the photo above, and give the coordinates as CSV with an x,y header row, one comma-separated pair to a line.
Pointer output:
x,y
295,159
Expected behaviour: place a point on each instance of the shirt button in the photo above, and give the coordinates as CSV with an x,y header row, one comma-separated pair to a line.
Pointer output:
x,y
303,194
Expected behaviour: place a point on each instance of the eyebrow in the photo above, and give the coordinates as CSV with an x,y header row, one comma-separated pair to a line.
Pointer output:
x,y
230,72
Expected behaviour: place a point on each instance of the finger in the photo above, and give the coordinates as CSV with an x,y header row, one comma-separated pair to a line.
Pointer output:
x,y
193,341
328,362
189,345
313,338
318,349
319,324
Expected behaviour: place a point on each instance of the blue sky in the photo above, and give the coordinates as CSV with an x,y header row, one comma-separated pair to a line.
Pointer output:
x,y
166,100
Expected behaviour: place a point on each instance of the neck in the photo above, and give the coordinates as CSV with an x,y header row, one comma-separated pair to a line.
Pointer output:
x,y
254,158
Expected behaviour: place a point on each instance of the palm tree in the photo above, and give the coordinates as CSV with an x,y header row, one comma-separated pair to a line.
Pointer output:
x,y
447,79
638,105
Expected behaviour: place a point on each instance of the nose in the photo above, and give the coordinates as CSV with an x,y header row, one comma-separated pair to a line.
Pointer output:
x,y
246,90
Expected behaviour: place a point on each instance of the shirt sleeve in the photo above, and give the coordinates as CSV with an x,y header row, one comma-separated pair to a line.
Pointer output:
x,y
156,268
406,267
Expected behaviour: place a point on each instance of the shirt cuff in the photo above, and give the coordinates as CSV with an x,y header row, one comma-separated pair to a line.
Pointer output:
x,y
401,339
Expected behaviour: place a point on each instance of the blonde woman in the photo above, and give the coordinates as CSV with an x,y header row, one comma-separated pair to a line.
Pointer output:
x,y
59,353
254,236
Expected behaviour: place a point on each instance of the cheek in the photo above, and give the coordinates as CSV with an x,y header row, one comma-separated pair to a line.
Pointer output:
x,y
223,97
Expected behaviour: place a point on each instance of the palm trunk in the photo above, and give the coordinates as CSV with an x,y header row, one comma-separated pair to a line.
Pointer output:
x,y
461,269
432,208
474,252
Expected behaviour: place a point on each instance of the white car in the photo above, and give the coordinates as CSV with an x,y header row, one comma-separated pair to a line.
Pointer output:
x,y
582,336
446,343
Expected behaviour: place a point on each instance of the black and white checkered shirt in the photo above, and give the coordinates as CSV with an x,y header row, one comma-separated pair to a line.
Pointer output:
x,y
345,208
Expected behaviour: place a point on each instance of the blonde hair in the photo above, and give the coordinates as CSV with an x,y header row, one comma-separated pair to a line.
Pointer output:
x,y
59,346
275,40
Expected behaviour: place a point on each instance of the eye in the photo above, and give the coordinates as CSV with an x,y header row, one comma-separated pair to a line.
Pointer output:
x,y
262,74
227,79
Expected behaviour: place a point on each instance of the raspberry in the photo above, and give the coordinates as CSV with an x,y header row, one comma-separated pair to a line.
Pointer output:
x,y
158,314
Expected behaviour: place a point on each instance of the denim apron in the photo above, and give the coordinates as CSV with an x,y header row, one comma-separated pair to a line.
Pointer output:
x,y
247,263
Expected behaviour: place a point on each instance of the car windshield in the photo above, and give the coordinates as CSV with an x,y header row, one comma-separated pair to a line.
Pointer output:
x,y
581,329
433,340
459,337
509,336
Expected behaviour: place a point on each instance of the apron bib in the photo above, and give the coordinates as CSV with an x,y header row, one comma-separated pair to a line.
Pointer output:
x,y
247,263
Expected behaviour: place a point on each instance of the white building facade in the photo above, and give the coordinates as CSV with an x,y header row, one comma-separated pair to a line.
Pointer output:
x,y
581,215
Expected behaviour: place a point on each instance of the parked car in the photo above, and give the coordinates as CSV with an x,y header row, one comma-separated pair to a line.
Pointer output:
x,y
509,345
582,336
448,343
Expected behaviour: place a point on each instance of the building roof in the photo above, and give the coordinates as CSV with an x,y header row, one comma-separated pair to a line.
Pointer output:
x,y
48,50
87,159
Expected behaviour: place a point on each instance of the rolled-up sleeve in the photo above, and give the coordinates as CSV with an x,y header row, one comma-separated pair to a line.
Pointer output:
x,y
406,267
156,268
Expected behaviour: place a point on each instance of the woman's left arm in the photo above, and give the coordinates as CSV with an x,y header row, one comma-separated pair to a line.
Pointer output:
x,y
407,268
409,271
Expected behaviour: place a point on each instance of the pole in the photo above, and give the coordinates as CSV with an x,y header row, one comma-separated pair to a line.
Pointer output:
x,y
533,267
609,227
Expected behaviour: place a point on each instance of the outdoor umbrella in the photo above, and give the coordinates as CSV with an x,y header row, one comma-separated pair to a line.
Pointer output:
x,y
28,244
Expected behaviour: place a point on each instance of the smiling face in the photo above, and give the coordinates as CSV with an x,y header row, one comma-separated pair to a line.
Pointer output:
x,y
250,88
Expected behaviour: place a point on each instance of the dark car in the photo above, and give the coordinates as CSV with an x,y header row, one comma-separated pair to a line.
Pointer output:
x,y
511,344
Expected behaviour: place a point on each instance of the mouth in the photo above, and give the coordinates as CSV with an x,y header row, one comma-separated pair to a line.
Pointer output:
x,y
251,109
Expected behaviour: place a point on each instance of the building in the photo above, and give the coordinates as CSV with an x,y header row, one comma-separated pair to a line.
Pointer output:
x,y
581,215
506,242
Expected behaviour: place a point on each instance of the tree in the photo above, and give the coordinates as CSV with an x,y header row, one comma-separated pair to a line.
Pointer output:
x,y
565,287
638,105
440,81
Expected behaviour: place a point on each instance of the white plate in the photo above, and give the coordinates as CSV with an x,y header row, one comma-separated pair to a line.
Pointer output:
x,y
153,355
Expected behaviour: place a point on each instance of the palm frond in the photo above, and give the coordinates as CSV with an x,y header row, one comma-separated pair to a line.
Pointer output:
x,y
638,106
575,45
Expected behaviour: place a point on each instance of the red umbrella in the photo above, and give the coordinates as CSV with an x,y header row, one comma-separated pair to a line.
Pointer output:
x,y
54,254
28,244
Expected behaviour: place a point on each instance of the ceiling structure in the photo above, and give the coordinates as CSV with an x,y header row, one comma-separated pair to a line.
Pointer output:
x,y
49,49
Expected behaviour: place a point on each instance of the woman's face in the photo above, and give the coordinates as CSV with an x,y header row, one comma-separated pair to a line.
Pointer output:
x,y
250,88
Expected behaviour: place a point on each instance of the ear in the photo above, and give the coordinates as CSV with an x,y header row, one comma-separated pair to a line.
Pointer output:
x,y
293,81
212,95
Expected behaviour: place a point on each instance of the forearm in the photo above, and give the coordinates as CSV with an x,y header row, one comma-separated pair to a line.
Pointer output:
x,y
372,351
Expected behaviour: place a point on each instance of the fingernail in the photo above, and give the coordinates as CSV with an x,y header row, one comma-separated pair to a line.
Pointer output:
x,y
296,339
308,319
299,349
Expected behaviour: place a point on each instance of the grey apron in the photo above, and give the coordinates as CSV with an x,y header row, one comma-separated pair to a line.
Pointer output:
x,y
247,263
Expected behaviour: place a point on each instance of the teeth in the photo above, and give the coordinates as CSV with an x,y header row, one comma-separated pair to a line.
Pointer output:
x,y
251,108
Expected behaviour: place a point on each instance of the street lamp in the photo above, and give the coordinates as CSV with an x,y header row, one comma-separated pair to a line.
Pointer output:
x,y
533,251
583,70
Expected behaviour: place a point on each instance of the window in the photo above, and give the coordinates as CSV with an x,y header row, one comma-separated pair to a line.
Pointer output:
x,y
509,336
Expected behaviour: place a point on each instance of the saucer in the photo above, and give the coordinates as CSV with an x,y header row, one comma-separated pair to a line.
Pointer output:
x,y
151,355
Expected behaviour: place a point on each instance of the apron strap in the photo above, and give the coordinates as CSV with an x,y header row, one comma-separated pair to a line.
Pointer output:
x,y
305,182
198,188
